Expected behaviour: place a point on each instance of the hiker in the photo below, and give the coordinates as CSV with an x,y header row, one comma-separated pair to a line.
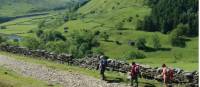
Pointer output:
x,y
168,75
171,75
134,73
102,66
164,74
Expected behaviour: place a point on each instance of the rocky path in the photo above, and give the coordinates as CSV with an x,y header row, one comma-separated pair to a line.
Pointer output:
x,y
52,76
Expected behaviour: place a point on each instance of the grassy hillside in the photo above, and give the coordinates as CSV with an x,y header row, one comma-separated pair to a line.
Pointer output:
x,y
103,16
23,26
19,7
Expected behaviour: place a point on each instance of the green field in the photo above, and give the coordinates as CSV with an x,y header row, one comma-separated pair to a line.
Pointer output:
x,y
22,7
105,18
23,26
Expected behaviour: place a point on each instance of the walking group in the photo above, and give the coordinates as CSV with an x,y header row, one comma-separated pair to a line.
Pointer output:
x,y
167,73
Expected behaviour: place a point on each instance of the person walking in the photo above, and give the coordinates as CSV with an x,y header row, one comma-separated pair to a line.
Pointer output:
x,y
164,74
170,76
134,74
102,66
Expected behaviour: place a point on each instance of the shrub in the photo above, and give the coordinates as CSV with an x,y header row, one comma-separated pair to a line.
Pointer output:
x,y
176,40
12,42
2,39
147,24
3,27
130,19
156,41
118,3
32,43
52,36
57,46
30,31
118,43
81,43
113,7
136,55
105,36
97,32
137,15
141,43
119,26
41,24
66,29
139,25
39,32
177,36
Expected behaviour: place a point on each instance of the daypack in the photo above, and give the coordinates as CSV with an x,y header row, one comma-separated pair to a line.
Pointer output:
x,y
103,63
134,70
170,74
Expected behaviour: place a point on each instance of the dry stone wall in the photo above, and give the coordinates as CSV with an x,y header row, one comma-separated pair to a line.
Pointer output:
x,y
147,72
62,58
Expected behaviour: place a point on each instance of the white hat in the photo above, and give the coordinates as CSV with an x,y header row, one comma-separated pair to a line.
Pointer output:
x,y
101,57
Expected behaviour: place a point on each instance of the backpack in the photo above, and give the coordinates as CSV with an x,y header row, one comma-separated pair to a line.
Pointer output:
x,y
103,63
170,74
134,70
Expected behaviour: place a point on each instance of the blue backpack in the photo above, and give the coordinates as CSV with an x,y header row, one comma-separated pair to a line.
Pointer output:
x,y
103,63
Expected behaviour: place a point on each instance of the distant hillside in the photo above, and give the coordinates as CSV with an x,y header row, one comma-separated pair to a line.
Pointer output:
x,y
115,11
118,18
18,7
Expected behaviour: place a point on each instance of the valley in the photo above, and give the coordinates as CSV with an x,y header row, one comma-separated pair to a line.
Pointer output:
x,y
124,30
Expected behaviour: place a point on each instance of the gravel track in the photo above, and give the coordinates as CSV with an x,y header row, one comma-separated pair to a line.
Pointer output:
x,y
53,76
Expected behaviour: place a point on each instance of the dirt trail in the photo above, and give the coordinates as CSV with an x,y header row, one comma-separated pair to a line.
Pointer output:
x,y
52,76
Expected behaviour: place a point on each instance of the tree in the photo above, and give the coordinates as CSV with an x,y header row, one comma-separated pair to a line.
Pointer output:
x,y
2,39
177,35
141,43
167,14
139,25
182,29
147,25
32,43
57,46
41,24
105,36
176,40
156,41
81,43
39,32
52,36
151,3
135,55
3,27
13,42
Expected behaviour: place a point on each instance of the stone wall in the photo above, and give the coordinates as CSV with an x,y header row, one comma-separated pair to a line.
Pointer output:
x,y
147,72
62,58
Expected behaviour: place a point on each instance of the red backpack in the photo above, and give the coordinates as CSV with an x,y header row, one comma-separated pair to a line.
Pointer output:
x,y
170,74
134,70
